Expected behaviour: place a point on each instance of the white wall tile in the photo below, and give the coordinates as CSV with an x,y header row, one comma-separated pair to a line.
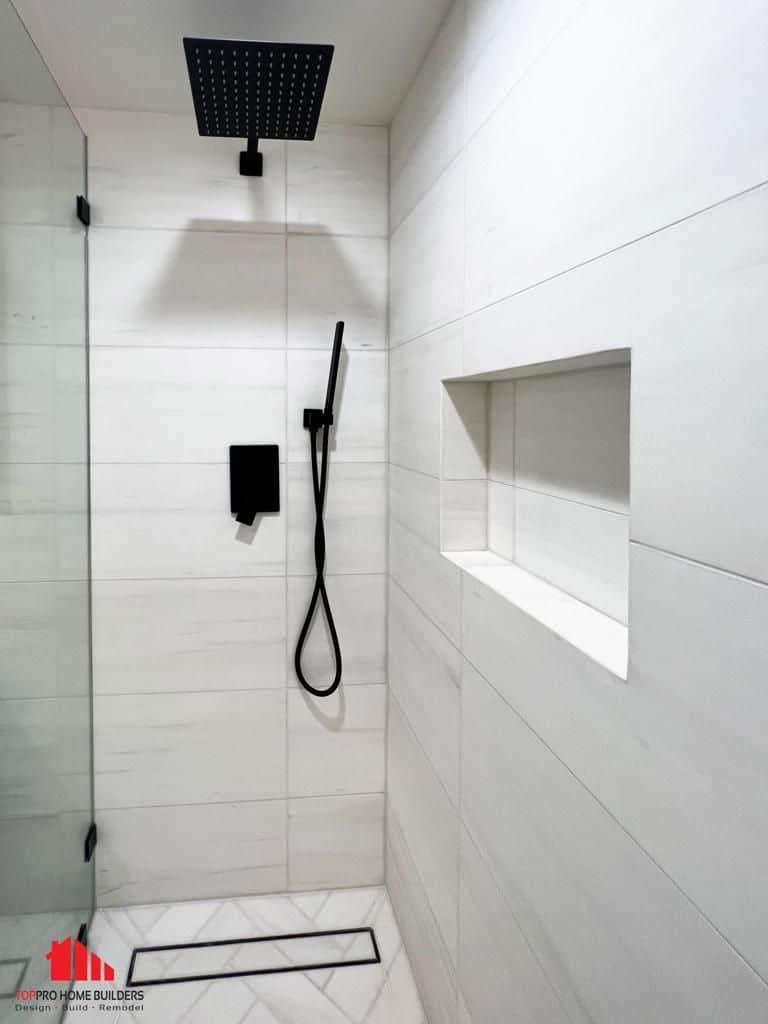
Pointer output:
x,y
577,881
501,431
414,502
500,977
429,822
161,636
424,676
173,521
153,170
464,428
337,278
355,518
582,550
359,610
338,183
427,131
523,221
336,841
501,519
416,393
184,748
187,288
427,260
428,578
336,744
165,405
464,515
572,435
359,432
44,881
198,851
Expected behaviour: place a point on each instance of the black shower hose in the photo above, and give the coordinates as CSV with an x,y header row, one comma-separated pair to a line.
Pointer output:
x,y
319,593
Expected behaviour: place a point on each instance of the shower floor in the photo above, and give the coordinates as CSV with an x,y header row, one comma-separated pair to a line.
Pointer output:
x,y
373,994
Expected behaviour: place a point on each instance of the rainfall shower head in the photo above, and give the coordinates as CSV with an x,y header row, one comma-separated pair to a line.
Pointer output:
x,y
248,90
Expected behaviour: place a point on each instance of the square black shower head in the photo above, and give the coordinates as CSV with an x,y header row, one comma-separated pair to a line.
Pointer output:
x,y
251,90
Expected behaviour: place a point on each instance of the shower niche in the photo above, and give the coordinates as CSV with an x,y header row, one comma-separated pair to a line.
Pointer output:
x,y
535,496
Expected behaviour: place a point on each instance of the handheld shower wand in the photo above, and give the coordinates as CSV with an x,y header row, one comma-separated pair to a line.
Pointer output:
x,y
320,421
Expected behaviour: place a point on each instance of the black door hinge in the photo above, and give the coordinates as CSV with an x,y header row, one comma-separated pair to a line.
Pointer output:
x,y
83,210
92,837
82,934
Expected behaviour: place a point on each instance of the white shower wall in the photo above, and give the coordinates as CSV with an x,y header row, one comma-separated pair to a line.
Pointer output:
x,y
571,178
213,299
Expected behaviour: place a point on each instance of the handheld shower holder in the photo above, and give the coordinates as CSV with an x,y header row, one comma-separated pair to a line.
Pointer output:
x,y
314,419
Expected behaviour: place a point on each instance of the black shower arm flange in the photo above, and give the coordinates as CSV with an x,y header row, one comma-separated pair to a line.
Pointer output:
x,y
314,419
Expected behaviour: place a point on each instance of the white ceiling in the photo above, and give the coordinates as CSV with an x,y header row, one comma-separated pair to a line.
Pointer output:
x,y
127,54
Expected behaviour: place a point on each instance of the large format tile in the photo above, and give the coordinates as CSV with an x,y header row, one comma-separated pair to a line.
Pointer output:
x,y
424,676
501,431
338,185
581,549
499,975
164,405
427,577
414,502
432,964
429,822
336,841
156,521
427,260
160,636
355,518
358,603
153,170
519,186
416,397
427,130
190,852
615,936
188,288
360,413
337,278
183,748
336,744
501,520
43,880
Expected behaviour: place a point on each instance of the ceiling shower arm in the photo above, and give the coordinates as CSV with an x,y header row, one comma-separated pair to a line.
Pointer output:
x,y
251,160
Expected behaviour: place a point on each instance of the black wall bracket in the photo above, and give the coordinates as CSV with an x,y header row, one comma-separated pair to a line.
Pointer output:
x,y
251,160
83,208
91,838
254,480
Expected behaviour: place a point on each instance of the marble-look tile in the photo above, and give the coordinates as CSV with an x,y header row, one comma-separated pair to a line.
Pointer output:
x,y
44,639
581,549
519,186
424,676
501,431
572,436
168,521
574,879
188,288
464,431
184,405
336,841
428,578
43,297
337,278
190,852
501,520
427,260
43,403
44,522
183,748
160,636
338,185
44,757
336,744
414,502
463,515
42,880
153,170
415,397
355,518
427,130
360,417
359,604
429,822
432,964
499,975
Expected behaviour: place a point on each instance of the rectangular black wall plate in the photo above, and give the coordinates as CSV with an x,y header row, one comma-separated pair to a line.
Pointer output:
x,y
254,480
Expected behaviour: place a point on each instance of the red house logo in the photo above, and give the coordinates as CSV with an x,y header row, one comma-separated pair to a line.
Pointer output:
x,y
71,961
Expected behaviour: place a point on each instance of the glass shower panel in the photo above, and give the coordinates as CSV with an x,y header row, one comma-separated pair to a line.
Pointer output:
x,y
46,888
